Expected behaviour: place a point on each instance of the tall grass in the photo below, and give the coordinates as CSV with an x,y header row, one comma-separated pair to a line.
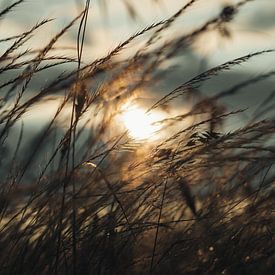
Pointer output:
x,y
82,196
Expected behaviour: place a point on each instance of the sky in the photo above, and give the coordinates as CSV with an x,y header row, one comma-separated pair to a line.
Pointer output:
x,y
252,30
254,27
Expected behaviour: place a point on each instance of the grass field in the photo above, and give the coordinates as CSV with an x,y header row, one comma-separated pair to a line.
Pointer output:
x,y
106,170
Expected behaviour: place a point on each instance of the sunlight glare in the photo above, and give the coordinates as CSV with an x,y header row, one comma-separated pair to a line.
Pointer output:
x,y
141,125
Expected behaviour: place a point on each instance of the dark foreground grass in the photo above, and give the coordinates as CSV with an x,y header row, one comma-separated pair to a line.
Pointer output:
x,y
82,197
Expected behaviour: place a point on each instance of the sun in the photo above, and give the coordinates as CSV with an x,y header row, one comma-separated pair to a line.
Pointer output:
x,y
141,125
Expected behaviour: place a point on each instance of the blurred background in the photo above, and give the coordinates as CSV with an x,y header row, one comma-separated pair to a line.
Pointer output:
x,y
112,22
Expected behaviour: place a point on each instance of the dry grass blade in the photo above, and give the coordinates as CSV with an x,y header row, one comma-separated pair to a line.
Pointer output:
x,y
86,187
10,7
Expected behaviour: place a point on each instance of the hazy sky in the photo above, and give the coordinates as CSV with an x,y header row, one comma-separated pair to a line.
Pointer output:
x,y
254,27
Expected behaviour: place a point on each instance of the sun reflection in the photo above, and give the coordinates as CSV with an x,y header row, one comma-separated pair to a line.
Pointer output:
x,y
141,125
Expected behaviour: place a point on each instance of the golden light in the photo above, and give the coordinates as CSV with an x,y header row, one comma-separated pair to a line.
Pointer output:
x,y
141,125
